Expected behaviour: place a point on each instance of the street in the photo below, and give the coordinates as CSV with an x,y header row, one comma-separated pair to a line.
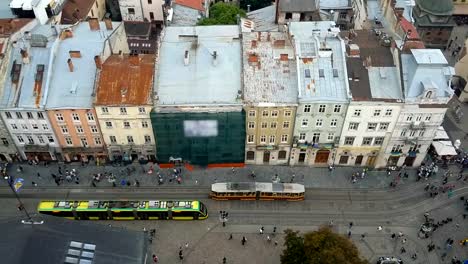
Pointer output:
x,y
368,204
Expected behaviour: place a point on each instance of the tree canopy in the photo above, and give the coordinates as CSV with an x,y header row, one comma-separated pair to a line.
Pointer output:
x,y
255,4
321,246
222,14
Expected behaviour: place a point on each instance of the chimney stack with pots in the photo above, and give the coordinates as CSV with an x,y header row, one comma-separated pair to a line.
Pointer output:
x,y
108,23
93,24
186,58
70,65
215,58
25,56
98,62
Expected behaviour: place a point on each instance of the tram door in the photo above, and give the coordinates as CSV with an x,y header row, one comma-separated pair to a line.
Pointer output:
x,y
257,195
169,215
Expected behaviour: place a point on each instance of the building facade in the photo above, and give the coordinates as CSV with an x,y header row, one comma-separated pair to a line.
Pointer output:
x,y
123,105
270,96
78,56
323,93
142,10
295,11
198,115
426,79
74,11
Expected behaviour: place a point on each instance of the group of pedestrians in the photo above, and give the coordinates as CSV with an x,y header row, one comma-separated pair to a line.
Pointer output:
x,y
358,175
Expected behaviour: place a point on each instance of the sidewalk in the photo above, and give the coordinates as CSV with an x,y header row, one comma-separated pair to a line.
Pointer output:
x,y
310,177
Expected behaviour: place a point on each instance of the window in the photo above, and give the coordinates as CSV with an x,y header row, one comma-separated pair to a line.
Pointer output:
x,y
409,118
305,122
75,117
20,139
388,112
367,141
322,108
123,110
30,140
418,117
90,116
151,15
64,129
14,126
284,138
288,15
265,113
316,137
274,113
250,155
282,155
40,115
264,124
150,2
353,126
19,115
286,124
79,129
113,139
383,126
337,109
108,124
319,123
131,11
252,113
272,139
59,117
126,124
5,141
147,139
349,140
307,108
302,136
130,139
378,141
333,122
144,124
35,126
357,112
41,139
104,110
428,118
331,136
93,129
251,125
30,115
69,141
273,124
45,127
84,142
287,113
97,141
8,115
429,94
51,139
371,126
403,132
141,110
250,138
377,112
412,133
396,148
24,126
262,139
421,132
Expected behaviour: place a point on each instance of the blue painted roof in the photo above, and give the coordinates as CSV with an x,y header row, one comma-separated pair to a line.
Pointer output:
x,y
77,86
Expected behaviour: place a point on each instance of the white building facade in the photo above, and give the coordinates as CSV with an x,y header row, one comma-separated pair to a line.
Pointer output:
x,y
141,10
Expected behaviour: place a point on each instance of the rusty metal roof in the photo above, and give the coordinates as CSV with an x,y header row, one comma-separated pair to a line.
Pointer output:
x,y
11,25
73,11
126,80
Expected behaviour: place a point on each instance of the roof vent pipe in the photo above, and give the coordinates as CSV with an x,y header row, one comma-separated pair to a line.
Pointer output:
x,y
186,58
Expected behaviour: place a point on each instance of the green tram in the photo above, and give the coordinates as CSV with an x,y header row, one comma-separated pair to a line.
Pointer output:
x,y
125,210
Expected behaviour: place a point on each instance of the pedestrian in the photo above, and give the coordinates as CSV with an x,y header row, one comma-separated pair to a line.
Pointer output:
x,y
350,225
402,250
57,182
393,236
224,260
155,258
403,240
181,256
427,187
349,234
261,230
20,168
128,183
137,183
93,184
414,256
379,228
274,230
400,234
186,245
230,237
34,184
276,243
38,175
362,237
268,238
243,240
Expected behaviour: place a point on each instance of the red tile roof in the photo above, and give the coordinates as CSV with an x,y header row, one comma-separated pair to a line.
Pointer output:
x,y
195,4
9,26
406,26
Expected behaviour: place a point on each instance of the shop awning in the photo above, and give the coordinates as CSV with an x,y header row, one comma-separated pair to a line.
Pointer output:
x,y
441,134
444,148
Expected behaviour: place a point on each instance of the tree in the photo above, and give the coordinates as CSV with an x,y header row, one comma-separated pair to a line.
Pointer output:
x,y
321,246
222,14
255,4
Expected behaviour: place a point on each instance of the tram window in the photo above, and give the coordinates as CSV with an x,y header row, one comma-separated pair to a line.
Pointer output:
x,y
123,214
63,213
181,214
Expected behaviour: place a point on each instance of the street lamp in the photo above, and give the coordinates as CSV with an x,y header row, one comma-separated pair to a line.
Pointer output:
x,y
29,220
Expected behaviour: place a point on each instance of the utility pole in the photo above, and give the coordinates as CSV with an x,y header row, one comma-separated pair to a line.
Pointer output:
x,y
21,207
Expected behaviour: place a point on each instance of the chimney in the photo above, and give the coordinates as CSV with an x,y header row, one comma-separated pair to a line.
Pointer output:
x,y
186,58
25,56
70,65
259,36
108,23
74,54
67,33
93,24
215,58
268,37
98,62
353,50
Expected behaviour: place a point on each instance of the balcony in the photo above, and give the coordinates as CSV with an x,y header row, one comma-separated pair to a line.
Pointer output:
x,y
417,125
